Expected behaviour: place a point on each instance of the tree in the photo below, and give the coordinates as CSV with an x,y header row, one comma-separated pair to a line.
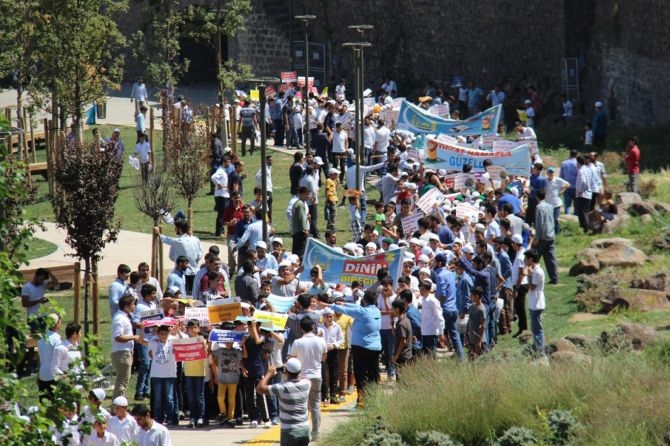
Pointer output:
x,y
20,51
87,186
81,51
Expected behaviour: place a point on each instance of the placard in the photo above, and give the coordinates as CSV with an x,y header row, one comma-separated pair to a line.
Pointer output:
x,y
415,154
277,319
428,199
301,81
281,304
226,335
496,173
411,223
199,313
464,210
255,95
222,310
190,349
288,77
464,180
169,321
504,145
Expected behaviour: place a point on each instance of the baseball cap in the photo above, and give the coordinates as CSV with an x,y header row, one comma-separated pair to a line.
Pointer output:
x,y
424,270
318,160
293,365
551,169
333,171
278,240
424,258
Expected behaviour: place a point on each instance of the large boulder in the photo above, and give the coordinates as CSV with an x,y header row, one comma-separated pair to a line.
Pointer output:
x,y
601,253
585,265
627,199
663,208
562,345
621,221
634,299
571,357
634,204
639,335
659,281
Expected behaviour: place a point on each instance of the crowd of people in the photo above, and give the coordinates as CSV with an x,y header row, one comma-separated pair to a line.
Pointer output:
x,y
465,280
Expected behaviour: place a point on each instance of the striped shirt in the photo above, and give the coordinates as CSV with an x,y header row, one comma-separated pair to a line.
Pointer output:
x,y
544,221
292,402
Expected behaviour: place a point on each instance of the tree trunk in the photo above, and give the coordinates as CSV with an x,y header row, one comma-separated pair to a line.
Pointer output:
x,y
20,124
87,282
189,212
95,299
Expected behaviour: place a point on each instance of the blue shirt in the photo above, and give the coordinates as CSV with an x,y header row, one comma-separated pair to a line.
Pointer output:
x,y
366,326
569,171
414,318
176,278
445,288
505,268
511,199
116,290
464,287
537,182
480,278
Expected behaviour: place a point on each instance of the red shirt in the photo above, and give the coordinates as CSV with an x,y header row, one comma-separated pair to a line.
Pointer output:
x,y
232,212
632,160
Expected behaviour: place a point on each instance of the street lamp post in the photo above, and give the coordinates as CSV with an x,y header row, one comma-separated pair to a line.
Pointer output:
x,y
357,48
261,83
306,19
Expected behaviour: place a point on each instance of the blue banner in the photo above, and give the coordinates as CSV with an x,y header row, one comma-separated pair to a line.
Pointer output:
x,y
341,268
226,335
418,120
452,157
281,304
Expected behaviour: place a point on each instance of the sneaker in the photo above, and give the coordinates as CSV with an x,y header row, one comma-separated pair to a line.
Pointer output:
x,y
238,421
231,424
139,397
350,390
342,398
326,403
267,424
334,401
253,424
274,421
199,423
315,436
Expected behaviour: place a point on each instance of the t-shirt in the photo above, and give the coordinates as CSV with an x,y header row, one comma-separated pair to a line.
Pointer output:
x,y
292,397
247,116
163,362
157,435
228,362
403,330
536,296
125,430
34,293
476,316
309,349
121,326
108,439
386,318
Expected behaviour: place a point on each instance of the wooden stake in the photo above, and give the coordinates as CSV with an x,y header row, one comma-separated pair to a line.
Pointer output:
x,y
77,292
33,145
233,128
160,260
151,136
95,300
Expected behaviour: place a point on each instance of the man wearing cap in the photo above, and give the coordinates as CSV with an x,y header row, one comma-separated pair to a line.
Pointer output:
x,y
46,349
599,127
309,349
123,426
293,397
556,186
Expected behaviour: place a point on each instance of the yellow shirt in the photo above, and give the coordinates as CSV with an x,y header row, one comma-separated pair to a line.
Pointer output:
x,y
345,323
331,190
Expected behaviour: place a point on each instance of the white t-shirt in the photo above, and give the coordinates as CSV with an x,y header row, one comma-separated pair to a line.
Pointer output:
x,y
553,191
143,149
369,135
125,430
108,439
158,435
339,141
34,293
121,326
536,296
163,362
382,139
309,349
386,318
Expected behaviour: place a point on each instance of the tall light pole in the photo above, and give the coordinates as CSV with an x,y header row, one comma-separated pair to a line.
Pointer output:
x,y
306,19
261,83
357,48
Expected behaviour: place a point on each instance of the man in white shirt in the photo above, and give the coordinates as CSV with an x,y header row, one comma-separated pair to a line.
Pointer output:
x,y
184,244
123,426
67,352
123,342
340,145
143,269
221,196
46,349
268,183
536,301
139,94
309,349
381,145
369,136
432,319
524,133
32,293
151,433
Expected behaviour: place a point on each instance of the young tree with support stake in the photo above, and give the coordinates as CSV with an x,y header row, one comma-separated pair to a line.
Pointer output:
x,y
87,187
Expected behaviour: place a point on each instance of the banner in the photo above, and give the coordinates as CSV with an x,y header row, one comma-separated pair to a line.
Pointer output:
x,y
417,120
464,180
440,155
169,321
301,81
344,269
427,200
504,145
199,313
222,310
191,349
277,319
226,335
288,77
281,304
411,223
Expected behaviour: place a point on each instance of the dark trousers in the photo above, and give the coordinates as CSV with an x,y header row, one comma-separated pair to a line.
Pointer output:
x,y
530,210
299,241
255,402
569,199
366,368
313,215
547,249
520,307
189,284
220,203
248,133
269,195
329,377
582,209
278,125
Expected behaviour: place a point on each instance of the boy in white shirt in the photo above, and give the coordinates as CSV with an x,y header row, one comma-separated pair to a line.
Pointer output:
x,y
143,151
121,424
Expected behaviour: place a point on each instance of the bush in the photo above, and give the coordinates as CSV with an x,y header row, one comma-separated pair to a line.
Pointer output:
x,y
517,436
435,438
384,439
563,426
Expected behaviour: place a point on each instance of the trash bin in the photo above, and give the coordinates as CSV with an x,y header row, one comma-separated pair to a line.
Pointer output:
x,y
101,109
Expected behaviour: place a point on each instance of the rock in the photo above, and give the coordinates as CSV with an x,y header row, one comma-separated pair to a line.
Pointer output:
x,y
620,221
634,299
578,340
571,357
606,252
646,219
566,218
639,335
621,256
603,243
562,345
657,281
642,208
663,208
588,265
662,241
627,199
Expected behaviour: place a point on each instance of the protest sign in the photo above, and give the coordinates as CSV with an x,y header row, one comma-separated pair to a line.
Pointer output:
x,y
222,310
301,81
389,115
270,91
496,173
417,120
169,321
226,335
504,145
254,95
190,349
277,319
441,110
440,155
464,180
415,154
464,210
281,304
426,202
411,223
341,268
288,77
199,313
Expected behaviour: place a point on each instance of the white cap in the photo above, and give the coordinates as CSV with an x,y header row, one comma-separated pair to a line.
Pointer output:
x,y
350,152
262,245
295,258
427,250
414,241
174,289
424,258
318,160
410,186
335,295
514,191
527,102
480,227
99,394
120,401
424,270
227,150
599,104
116,131
422,242
467,249
372,245
433,236
293,365
516,238
328,310
333,171
269,272
351,246
278,240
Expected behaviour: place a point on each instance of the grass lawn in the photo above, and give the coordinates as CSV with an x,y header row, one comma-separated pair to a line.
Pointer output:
x,y
39,248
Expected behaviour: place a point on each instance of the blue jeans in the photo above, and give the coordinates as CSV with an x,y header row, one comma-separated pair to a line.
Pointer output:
x,y
491,324
162,397
536,330
430,344
388,347
557,227
451,330
569,199
194,386
142,386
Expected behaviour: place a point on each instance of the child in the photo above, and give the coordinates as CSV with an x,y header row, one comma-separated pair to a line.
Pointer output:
x,y
194,380
95,398
143,150
380,218
121,425
476,329
100,436
226,365
588,137
355,216
331,197
163,375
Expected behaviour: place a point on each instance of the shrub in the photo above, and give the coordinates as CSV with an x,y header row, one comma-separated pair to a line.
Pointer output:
x,y
517,436
435,438
563,426
647,188
384,439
